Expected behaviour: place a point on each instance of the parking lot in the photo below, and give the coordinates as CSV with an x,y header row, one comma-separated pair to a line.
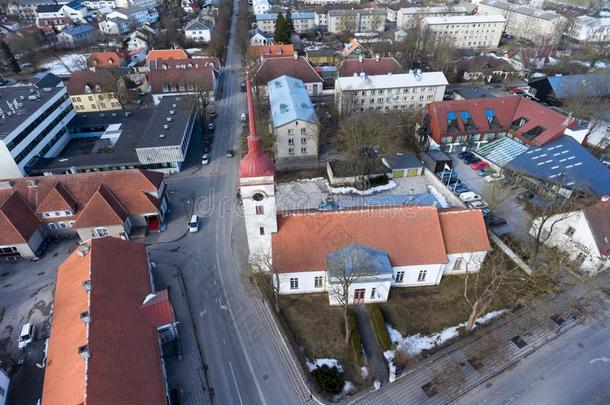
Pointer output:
x,y
507,205
27,289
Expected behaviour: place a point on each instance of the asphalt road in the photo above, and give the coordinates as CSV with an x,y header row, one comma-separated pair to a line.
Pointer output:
x,y
573,369
243,365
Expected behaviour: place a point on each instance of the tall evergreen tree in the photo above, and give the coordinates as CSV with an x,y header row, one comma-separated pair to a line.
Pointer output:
x,y
289,22
282,33
9,57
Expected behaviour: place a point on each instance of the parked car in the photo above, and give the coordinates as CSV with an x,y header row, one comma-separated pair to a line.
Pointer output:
x,y
493,177
229,153
459,189
479,205
211,126
208,139
465,155
469,196
483,172
26,336
205,159
194,223
472,160
493,220
479,165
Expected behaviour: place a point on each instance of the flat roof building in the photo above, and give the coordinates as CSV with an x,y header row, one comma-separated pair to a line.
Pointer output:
x,y
468,31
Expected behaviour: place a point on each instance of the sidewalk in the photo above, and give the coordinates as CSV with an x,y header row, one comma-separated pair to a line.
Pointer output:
x,y
374,354
408,387
186,375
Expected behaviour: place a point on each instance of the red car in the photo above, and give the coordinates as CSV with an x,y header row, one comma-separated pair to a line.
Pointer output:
x,y
480,165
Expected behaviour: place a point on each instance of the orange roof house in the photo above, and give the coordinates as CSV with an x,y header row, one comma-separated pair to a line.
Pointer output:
x,y
105,59
102,350
270,51
176,54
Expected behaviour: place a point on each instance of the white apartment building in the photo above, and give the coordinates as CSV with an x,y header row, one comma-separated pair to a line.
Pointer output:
x,y
590,29
136,3
391,92
97,4
469,31
364,20
199,30
525,22
326,2
303,21
410,17
137,15
293,118
33,122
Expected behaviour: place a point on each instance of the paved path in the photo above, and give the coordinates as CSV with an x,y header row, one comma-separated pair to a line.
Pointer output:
x,y
374,354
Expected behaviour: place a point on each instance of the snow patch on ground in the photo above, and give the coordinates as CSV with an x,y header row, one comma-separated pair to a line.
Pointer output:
x,y
348,387
364,372
600,64
312,365
514,63
415,344
439,197
389,356
66,64
352,190
308,180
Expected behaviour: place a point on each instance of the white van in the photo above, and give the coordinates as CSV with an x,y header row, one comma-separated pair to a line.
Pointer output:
x,y
243,117
194,224
26,336
469,196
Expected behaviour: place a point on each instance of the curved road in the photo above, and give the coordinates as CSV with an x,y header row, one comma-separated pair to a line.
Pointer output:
x,y
243,365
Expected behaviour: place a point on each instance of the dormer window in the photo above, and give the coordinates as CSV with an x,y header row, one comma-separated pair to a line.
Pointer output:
x,y
519,122
492,120
452,124
467,120
534,132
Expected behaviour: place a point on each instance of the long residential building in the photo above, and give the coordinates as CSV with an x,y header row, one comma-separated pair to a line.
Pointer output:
x,y
303,21
590,29
526,22
411,16
390,92
33,121
470,31
358,20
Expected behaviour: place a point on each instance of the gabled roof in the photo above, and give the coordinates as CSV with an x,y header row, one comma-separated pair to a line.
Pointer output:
x,y
124,365
587,85
198,24
102,209
378,66
289,101
272,50
157,308
105,59
181,73
463,230
410,236
598,217
299,68
57,199
358,261
17,221
178,53
83,81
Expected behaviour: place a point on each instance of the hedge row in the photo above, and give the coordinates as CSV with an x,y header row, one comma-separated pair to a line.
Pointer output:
x,y
379,325
355,342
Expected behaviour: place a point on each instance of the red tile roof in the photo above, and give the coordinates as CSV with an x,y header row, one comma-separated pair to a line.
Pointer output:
x,y
83,81
506,109
125,362
272,68
463,230
171,73
410,235
598,217
270,51
157,308
102,209
155,54
381,66
105,59
132,190
17,220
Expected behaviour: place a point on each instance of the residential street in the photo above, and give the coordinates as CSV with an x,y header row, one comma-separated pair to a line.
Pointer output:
x,y
573,369
243,366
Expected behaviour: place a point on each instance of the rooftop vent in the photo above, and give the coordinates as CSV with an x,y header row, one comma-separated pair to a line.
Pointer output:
x,y
165,126
172,112
127,113
22,97
47,89
32,183
102,115
83,249
84,351
173,105
169,119
161,135
85,317
87,285
114,114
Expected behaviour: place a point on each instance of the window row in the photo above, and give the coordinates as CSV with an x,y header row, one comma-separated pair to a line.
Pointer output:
x,y
400,276
318,282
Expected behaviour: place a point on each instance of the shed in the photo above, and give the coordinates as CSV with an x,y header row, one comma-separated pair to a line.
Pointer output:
x,y
435,160
404,165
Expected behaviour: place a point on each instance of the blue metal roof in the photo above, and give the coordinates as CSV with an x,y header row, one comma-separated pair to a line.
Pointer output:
x,y
359,260
289,101
261,17
303,15
75,5
81,29
591,84
567,163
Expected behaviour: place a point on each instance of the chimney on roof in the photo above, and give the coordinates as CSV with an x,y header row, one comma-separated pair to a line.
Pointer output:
x,y
87,285
83,249
360,58
376,57
605,201
295,55
85,317
84,351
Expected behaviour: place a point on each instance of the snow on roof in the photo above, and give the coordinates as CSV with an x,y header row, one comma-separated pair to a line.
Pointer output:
x,y
432,10
392,81
289,101
464,19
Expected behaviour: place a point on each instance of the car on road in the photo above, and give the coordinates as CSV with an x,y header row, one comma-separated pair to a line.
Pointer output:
x,y
469,196
493,220
479,205
26,336
479,165
211,126
205,159
229,153
466,154
194,223
243,117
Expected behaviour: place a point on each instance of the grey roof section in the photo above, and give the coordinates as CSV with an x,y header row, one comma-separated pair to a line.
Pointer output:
x,y
587,85
49,8
79,30
46,79
522,9
567,163
358,260
19,102
197,25
502,151
404,161
365,11
473,92
139,129
423,199
289,101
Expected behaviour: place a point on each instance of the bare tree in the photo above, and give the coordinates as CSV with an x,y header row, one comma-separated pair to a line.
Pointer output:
x,y
116,84
263,263
344,269
347,23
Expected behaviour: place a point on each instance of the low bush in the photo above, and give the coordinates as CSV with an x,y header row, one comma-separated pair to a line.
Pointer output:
x,y
329,379
355,341
380,329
